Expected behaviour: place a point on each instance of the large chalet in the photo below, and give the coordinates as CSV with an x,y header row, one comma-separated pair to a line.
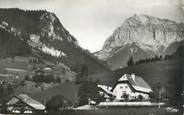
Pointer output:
x,y
128,88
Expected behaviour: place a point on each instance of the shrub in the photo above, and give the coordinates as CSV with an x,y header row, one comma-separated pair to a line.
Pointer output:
x,y
140,97
55,103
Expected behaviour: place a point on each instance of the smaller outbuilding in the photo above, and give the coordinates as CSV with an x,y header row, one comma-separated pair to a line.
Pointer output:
x,y
24,104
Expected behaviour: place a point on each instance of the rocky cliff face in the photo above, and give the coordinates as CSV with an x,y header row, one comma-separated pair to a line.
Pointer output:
x,y
42,33
38,29
141,32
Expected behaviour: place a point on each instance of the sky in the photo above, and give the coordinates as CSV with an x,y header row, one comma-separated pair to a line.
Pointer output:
x,y
91,22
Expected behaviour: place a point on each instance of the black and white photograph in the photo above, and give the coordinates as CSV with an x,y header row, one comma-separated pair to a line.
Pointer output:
x,y
92,57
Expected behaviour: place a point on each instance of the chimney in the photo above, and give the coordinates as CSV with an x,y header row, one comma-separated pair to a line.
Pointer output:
x,y
133,76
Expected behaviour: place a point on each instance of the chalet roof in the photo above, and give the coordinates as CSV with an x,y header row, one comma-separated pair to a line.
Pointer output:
x,y
26,99
137,82
105,89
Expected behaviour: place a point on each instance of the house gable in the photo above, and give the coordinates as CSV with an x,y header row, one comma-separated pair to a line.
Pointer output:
x,y
13,101
136,83
121,89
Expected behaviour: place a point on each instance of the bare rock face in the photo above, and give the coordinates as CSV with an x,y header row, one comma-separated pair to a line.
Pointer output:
x,y
148,33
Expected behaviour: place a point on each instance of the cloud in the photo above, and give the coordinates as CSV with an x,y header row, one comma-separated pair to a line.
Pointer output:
x,y
180,6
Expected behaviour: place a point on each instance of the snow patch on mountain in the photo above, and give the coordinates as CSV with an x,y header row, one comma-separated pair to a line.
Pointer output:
x,y
52,51
35,43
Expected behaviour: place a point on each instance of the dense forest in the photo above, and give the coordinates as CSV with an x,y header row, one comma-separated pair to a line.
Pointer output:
x,y
12,46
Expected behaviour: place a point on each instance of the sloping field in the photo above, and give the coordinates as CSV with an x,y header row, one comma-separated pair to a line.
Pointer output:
x,y
69,90
15,64
160,72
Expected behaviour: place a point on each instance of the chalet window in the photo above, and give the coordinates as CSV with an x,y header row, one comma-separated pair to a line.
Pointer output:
x,y
126,86
121,87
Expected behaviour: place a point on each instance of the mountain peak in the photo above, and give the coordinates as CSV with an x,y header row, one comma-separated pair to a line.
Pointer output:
x,y
147,19
138,27
141,17
150,34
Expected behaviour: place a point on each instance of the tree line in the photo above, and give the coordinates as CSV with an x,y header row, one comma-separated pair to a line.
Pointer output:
x,y
131,61
43,78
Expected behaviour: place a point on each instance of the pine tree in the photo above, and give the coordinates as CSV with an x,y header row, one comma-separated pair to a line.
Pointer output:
x,y
130,62
83,75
